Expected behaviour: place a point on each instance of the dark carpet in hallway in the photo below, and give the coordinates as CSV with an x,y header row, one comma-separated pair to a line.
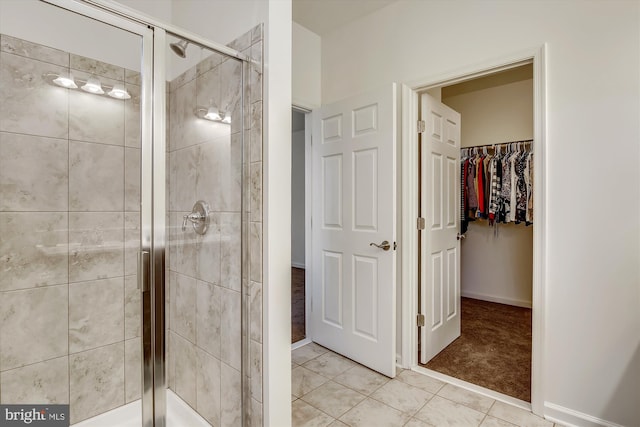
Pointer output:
x,y
493,350
297,304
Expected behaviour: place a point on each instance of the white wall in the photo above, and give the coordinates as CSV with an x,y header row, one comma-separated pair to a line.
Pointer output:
x,y
495,267
592,277
297,199
52,26
306,57
159,9
277,216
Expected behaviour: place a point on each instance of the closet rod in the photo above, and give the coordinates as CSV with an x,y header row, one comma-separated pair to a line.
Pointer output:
x,y
525,141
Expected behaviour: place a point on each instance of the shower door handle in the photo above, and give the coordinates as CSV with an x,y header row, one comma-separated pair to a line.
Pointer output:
x,y
143,268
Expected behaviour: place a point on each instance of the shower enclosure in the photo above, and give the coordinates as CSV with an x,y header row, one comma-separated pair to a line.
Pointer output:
x,y
127,287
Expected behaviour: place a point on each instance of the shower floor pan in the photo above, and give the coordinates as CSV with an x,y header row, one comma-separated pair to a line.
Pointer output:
x,y
179,414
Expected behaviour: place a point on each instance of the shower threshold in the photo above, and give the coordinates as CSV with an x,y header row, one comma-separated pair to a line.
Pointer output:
x,y
179,414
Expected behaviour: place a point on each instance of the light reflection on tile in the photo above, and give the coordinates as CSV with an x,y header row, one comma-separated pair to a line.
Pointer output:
x,y
34,248
22,89
96,118
96,248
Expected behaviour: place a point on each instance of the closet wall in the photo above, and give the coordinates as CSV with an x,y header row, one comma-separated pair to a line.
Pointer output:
x,y
297,190
496,266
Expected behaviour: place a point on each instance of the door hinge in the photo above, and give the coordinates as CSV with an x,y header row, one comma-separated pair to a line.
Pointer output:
x,y
422,224
420,320
422,126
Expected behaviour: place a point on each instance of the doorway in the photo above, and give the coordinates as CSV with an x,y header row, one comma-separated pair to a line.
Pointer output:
x,y
299,212
492,348
410,101
496,250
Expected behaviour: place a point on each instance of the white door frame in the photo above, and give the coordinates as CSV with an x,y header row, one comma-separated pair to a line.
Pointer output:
x,y
409,208
308,197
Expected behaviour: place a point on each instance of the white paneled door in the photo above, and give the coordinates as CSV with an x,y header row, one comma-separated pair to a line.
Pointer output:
x,y
439,244
354,209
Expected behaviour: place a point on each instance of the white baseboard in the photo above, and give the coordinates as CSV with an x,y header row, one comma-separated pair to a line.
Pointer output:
x,y
300,343
493,298
570,418
297,265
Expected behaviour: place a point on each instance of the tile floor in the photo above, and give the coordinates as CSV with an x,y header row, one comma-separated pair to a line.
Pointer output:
x,y
331,390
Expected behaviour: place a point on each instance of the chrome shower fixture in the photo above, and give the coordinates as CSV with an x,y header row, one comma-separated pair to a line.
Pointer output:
x,y
179,48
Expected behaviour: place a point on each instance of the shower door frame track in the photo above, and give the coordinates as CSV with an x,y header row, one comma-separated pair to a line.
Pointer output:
x,y
151,275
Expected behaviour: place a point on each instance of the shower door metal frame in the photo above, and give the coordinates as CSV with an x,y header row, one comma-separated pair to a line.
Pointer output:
x,y
153,243
123,22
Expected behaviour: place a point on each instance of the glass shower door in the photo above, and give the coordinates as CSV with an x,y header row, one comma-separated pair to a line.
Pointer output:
x,y
204,185
71,94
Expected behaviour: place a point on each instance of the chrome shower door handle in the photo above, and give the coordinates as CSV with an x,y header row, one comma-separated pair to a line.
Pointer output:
x,y
385,246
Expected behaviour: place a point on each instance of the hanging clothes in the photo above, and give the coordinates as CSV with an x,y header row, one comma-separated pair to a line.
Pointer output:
x,y
464,222
496,186
472,194
529,179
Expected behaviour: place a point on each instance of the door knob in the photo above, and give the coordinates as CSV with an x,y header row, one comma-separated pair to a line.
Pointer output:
x,y
385,246
461,236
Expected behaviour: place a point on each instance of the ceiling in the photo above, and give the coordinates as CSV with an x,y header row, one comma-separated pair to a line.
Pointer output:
x,y
323,16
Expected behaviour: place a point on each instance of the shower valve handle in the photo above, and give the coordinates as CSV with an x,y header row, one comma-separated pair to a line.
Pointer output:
x,y
199,217
194,217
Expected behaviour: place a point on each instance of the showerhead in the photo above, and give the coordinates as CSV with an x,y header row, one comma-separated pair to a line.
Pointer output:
x,y
180,48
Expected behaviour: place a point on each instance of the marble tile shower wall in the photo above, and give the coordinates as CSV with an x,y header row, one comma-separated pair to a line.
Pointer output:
x,y
206,160
69,227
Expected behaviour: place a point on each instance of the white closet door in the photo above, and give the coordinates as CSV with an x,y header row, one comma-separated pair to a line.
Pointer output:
x,y
440,247
354,205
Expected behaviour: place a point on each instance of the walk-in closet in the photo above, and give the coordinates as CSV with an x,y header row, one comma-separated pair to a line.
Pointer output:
x,y
496,232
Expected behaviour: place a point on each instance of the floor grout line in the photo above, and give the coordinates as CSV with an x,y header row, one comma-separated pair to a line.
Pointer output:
x,y
375,388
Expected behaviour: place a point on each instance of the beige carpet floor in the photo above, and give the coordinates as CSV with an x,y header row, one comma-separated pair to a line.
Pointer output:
x,y
297,304
493,350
